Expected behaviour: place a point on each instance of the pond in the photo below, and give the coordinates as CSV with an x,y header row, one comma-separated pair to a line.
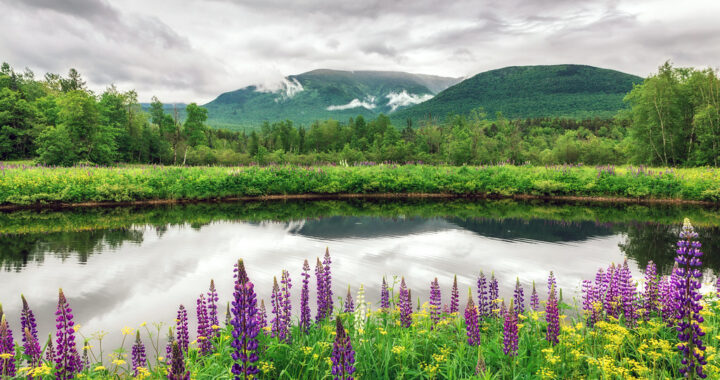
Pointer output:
x,y
126,265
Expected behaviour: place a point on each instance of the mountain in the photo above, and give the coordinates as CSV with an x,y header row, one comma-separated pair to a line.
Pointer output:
x,y
324,94
576,91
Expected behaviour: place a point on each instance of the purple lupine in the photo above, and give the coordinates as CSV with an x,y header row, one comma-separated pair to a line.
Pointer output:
x,y
49,350
483,301
651,293
494,292
7,347
328,283
552,284
612,299
435,302
589,299
552,316
405,304
286,285
305,299
168,348
472,326
687,285
384,296
138,355
33,350
67,359
276,322
668,296
534,299
349,306
343,355
245,326
321,299
262,315
181,326
454,297
717,287
27,322
212,299
628,294
519,297
177,369
204,330
510,332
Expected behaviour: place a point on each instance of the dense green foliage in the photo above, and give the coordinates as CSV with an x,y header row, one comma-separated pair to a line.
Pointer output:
x,y
20,185
305,98
531,91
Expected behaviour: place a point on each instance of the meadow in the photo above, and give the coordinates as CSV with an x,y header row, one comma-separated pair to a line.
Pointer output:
x,y
22,184
655,327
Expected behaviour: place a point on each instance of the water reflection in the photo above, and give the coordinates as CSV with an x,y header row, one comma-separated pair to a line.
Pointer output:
x,y
126,266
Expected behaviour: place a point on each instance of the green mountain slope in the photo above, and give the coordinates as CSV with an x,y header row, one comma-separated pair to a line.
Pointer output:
x,y
530,91
323,94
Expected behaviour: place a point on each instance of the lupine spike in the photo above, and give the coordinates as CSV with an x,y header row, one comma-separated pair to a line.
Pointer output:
x,y
687,285
552,316
483,301
652,292
7,349
139,359
494,292
435,302
286,285
343,355
181,326
49,350
361,309
204,329
32,350
305,299
349,305
177,369
262,315
328,283
245,326
405,304
67,359
510,331
519,297
472,326
27,322
384,296
321,299
534,299
454,297
212,299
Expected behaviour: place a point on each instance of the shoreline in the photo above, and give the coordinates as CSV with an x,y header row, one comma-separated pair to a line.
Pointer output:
x,y
341,196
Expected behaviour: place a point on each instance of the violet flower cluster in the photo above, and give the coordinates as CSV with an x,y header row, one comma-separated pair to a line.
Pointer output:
x,y
687,285
454,297
212,299
483,301
405,303
384,296
305,299
343,355
139,359
245,326
472,322
510,332
327,275
519,297
7,348
31,344
652,290
204,330
494,292
181,326
262,315
534,299
552,316
177,369
435,302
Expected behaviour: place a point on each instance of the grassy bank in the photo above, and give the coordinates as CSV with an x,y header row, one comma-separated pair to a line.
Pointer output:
x,y
22,185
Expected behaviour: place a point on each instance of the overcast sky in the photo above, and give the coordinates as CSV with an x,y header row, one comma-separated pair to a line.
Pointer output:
x,y
192,50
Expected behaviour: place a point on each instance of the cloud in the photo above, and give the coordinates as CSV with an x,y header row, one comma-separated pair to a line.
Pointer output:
x,y
285,87
355,103
403,99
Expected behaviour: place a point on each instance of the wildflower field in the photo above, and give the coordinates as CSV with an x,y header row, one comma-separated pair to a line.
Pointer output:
x,y
656,327
27,184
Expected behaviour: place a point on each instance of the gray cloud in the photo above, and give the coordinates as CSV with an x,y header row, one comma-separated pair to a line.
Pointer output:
x,y
192,50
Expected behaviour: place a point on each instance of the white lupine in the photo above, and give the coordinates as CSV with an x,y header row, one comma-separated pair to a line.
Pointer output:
x,y
360,310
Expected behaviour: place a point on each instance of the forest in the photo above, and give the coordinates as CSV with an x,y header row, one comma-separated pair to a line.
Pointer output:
x,y
673,119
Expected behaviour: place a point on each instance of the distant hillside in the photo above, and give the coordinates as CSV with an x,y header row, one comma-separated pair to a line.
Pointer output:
x,y
169,108
323,94
576,91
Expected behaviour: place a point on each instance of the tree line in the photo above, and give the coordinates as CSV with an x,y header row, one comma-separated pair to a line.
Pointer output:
x,y
673,119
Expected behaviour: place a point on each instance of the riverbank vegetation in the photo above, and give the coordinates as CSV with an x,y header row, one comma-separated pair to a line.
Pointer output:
x,y
673,121
619,327
23,185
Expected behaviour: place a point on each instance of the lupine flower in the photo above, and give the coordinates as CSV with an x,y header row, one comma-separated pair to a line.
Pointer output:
x,y
168,348
552,316
669,295
321,299
494,288
552,283
305,299
361,309
628,293
177,369
349,306
384,296
651,293
7,347
483,301
405,304
343,355
612,296
67,359
204,329
33,350
519,297
688,296
286,285
181,326
589,292
49,350
472,326
27,322
212,299
245,326
435,301
534,299
262,315
138,355
717,286
276,323
328,283
454,297
510,332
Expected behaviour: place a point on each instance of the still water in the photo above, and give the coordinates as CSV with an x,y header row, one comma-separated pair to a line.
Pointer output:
x,y
124,266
